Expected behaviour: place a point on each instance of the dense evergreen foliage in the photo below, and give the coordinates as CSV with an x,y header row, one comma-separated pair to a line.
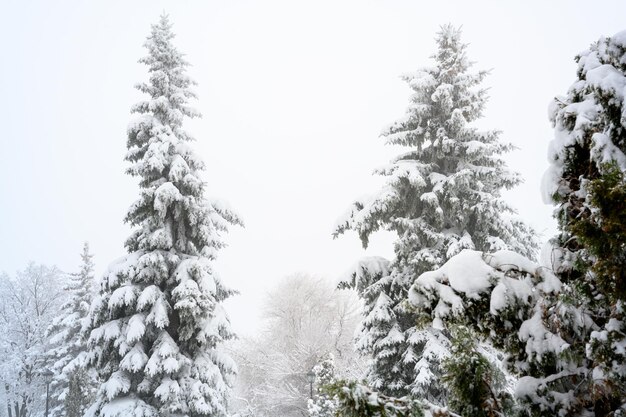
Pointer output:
x,y
158,322
586,182
476,387
67,355
441,196
322,404
562,326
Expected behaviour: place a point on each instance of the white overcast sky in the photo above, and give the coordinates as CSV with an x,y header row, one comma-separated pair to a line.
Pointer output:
x,y
294,95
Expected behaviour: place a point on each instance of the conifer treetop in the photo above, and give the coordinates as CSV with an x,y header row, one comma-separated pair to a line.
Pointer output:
x,y
447,185
168,78
171,212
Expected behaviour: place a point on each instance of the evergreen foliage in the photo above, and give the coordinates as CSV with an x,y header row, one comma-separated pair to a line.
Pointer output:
x,y
441,196
570,345
68,339
358,400
475,386
323,405
80,392
586,182
600,230
158,322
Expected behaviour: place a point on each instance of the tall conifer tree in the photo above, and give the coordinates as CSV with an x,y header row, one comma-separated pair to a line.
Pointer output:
x,y
441,196
68,338
158,323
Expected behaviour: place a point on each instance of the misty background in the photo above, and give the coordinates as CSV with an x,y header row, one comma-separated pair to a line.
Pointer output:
x,y
293,94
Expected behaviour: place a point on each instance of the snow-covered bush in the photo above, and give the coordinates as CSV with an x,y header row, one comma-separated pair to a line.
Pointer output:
x,y
358,400
526,311
515,305
322,404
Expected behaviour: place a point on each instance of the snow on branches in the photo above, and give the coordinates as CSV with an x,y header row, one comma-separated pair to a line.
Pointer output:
x,y
158,323
441,196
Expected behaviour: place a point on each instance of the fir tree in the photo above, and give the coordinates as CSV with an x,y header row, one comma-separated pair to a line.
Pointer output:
x,y
158,323
68,338
441,196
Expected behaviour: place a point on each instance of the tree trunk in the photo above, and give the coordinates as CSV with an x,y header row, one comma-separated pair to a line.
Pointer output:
x,y
23,410
9,411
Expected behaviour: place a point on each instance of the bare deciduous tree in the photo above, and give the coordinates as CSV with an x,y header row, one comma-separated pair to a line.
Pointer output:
x,y
28,302
305,317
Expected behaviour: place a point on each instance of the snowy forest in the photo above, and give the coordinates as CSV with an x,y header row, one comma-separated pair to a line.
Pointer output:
x,y
470,311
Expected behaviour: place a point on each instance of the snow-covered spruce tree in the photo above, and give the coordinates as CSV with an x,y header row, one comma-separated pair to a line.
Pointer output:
x,y
442,195
567,338
322,404
68,338
379,334
158,322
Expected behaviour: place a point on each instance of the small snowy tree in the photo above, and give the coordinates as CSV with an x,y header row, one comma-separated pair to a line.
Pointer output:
x,y
158,322
322,404
29,301
68,340
442,195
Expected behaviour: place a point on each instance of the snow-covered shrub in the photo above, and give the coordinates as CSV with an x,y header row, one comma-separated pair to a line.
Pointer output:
x,y
322,404
358,400
526,311
506,298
